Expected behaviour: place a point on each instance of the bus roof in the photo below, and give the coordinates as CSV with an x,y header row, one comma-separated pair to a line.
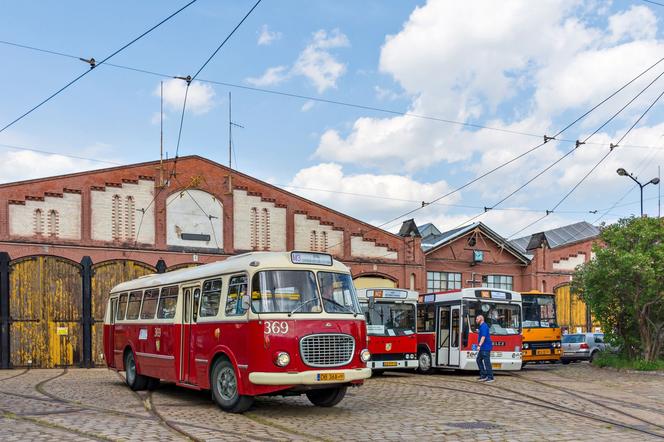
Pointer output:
x,y
233,264
387,294
486,293
536,292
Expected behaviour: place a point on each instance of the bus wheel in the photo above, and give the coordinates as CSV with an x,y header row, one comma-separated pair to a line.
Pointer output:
x,y
328,397
224,388
424,362
134,380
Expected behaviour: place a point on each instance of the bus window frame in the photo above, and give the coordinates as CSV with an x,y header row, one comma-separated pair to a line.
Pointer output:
x,y
150,291
126,303
138,314
177,298
210,318
247,284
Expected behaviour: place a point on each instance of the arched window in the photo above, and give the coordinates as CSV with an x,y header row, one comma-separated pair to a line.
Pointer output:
x,y
130,218
116,223
38,222
313,241
323,240
253,228
265,224
53,223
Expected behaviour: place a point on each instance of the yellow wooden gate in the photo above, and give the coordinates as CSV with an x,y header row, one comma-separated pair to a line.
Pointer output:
x,y
105,276
571,311
45,309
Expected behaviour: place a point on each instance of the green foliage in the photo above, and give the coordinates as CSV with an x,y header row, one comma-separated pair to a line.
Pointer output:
x,y
605,359
624,285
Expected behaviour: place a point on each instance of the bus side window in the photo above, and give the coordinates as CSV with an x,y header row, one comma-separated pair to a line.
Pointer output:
x,y
167,302
237,289
134,304
122,307
211,297
426,318
149,303
197,301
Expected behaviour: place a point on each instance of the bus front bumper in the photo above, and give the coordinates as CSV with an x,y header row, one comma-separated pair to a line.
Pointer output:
x,y
311,377
380,365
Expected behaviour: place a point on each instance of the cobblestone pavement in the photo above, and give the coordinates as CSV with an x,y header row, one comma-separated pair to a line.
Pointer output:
x,y
540,403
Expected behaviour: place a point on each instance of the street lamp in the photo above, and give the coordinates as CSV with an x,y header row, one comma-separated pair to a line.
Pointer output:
x,y
623,172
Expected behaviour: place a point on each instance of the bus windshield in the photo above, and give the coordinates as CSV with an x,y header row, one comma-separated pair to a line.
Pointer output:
x,y
539,311
338,293
390,319
284,291
503,319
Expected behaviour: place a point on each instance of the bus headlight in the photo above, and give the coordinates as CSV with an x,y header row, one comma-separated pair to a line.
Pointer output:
x,y
365,355
526,346
282,359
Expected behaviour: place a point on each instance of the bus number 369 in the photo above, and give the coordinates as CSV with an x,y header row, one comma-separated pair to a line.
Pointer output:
x,y
276,327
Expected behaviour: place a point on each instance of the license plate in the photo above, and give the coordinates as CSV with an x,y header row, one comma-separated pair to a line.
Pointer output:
x,y
331,377
544,351
389,364
496,365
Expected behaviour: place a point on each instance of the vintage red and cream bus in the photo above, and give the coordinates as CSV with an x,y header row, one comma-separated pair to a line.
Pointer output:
x,y
447,333
390,315
261,323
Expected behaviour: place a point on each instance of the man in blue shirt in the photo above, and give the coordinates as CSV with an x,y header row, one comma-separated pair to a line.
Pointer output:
x,y
484,353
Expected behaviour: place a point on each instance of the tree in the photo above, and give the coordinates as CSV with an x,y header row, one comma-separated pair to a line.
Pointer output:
x,y
623,285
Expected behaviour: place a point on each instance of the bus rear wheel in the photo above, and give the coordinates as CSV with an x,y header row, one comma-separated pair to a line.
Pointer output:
x,y
134,380
327,397
224,388
425,363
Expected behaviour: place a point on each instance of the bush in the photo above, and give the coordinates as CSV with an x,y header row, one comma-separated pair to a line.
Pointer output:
x,y
605,359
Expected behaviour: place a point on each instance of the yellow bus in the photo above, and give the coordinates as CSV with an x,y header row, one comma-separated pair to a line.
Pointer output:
x,y
541,333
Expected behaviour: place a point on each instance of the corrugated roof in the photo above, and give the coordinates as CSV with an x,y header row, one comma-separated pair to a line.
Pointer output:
x,y
560,236
431,241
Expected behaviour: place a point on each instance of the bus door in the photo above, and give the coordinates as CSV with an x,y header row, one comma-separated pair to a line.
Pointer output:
x,y
109,345
455,335
443,347
191,299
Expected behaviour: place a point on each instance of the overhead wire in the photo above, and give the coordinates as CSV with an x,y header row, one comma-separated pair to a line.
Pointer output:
x,y
318,99
578,145
93,64
595,166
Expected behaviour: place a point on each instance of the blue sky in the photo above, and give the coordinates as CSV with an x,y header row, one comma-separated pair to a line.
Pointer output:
x,y
516,65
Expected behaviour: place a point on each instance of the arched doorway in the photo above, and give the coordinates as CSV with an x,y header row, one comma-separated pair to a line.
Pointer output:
x,y
374,280
45,300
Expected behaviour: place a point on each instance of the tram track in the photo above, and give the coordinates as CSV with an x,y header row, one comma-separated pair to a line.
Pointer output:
x,y
25,370
539,403
594,402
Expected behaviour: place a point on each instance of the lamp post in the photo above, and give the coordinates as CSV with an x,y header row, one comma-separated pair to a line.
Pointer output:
x,y
623,172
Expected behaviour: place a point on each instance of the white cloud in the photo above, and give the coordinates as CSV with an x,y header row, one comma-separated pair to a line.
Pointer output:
x,y
272,76
266,37
156,118
18,165
366,196
308,105
386,94
637,23
315,62
200,98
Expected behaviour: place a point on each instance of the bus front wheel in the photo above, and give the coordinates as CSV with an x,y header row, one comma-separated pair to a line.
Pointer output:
x,y
328,397
134,380
425,363
225,390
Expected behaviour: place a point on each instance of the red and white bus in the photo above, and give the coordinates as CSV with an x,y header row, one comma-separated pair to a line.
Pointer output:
x,y
261,323
391,315
447,333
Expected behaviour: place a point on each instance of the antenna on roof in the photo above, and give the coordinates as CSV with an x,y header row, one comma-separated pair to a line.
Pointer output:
x,y
230,132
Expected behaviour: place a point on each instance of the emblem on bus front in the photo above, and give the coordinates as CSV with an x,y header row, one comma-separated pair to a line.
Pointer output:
x,y
388,346
328,324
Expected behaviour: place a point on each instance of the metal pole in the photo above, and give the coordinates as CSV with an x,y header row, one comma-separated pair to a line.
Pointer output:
x,y
230,133
641,199
659,193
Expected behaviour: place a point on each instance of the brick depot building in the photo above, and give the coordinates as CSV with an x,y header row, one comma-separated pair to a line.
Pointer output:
x,y
65,241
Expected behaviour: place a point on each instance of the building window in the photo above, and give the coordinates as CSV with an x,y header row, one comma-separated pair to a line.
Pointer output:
x,y
38,222
253,228
441,281
130,218
265,224
313,246
115,218
53,223
323,239
498,281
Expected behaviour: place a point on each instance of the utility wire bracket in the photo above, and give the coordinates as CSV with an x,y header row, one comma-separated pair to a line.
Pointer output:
x,y
486,209
549,212
579,143
187,78
547,139
592,211
424,204
612,146
92,62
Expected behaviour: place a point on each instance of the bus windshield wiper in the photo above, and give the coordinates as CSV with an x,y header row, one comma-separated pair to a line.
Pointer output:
x,y
302,305
346,308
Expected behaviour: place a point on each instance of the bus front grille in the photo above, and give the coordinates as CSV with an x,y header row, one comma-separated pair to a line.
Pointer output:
x,y
327,350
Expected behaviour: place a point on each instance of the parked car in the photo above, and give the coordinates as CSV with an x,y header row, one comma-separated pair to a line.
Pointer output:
x,y
582,347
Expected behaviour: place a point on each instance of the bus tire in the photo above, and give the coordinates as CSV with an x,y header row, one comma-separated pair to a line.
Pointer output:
x,y
134,380
223,383
425,365
153,383
327,397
